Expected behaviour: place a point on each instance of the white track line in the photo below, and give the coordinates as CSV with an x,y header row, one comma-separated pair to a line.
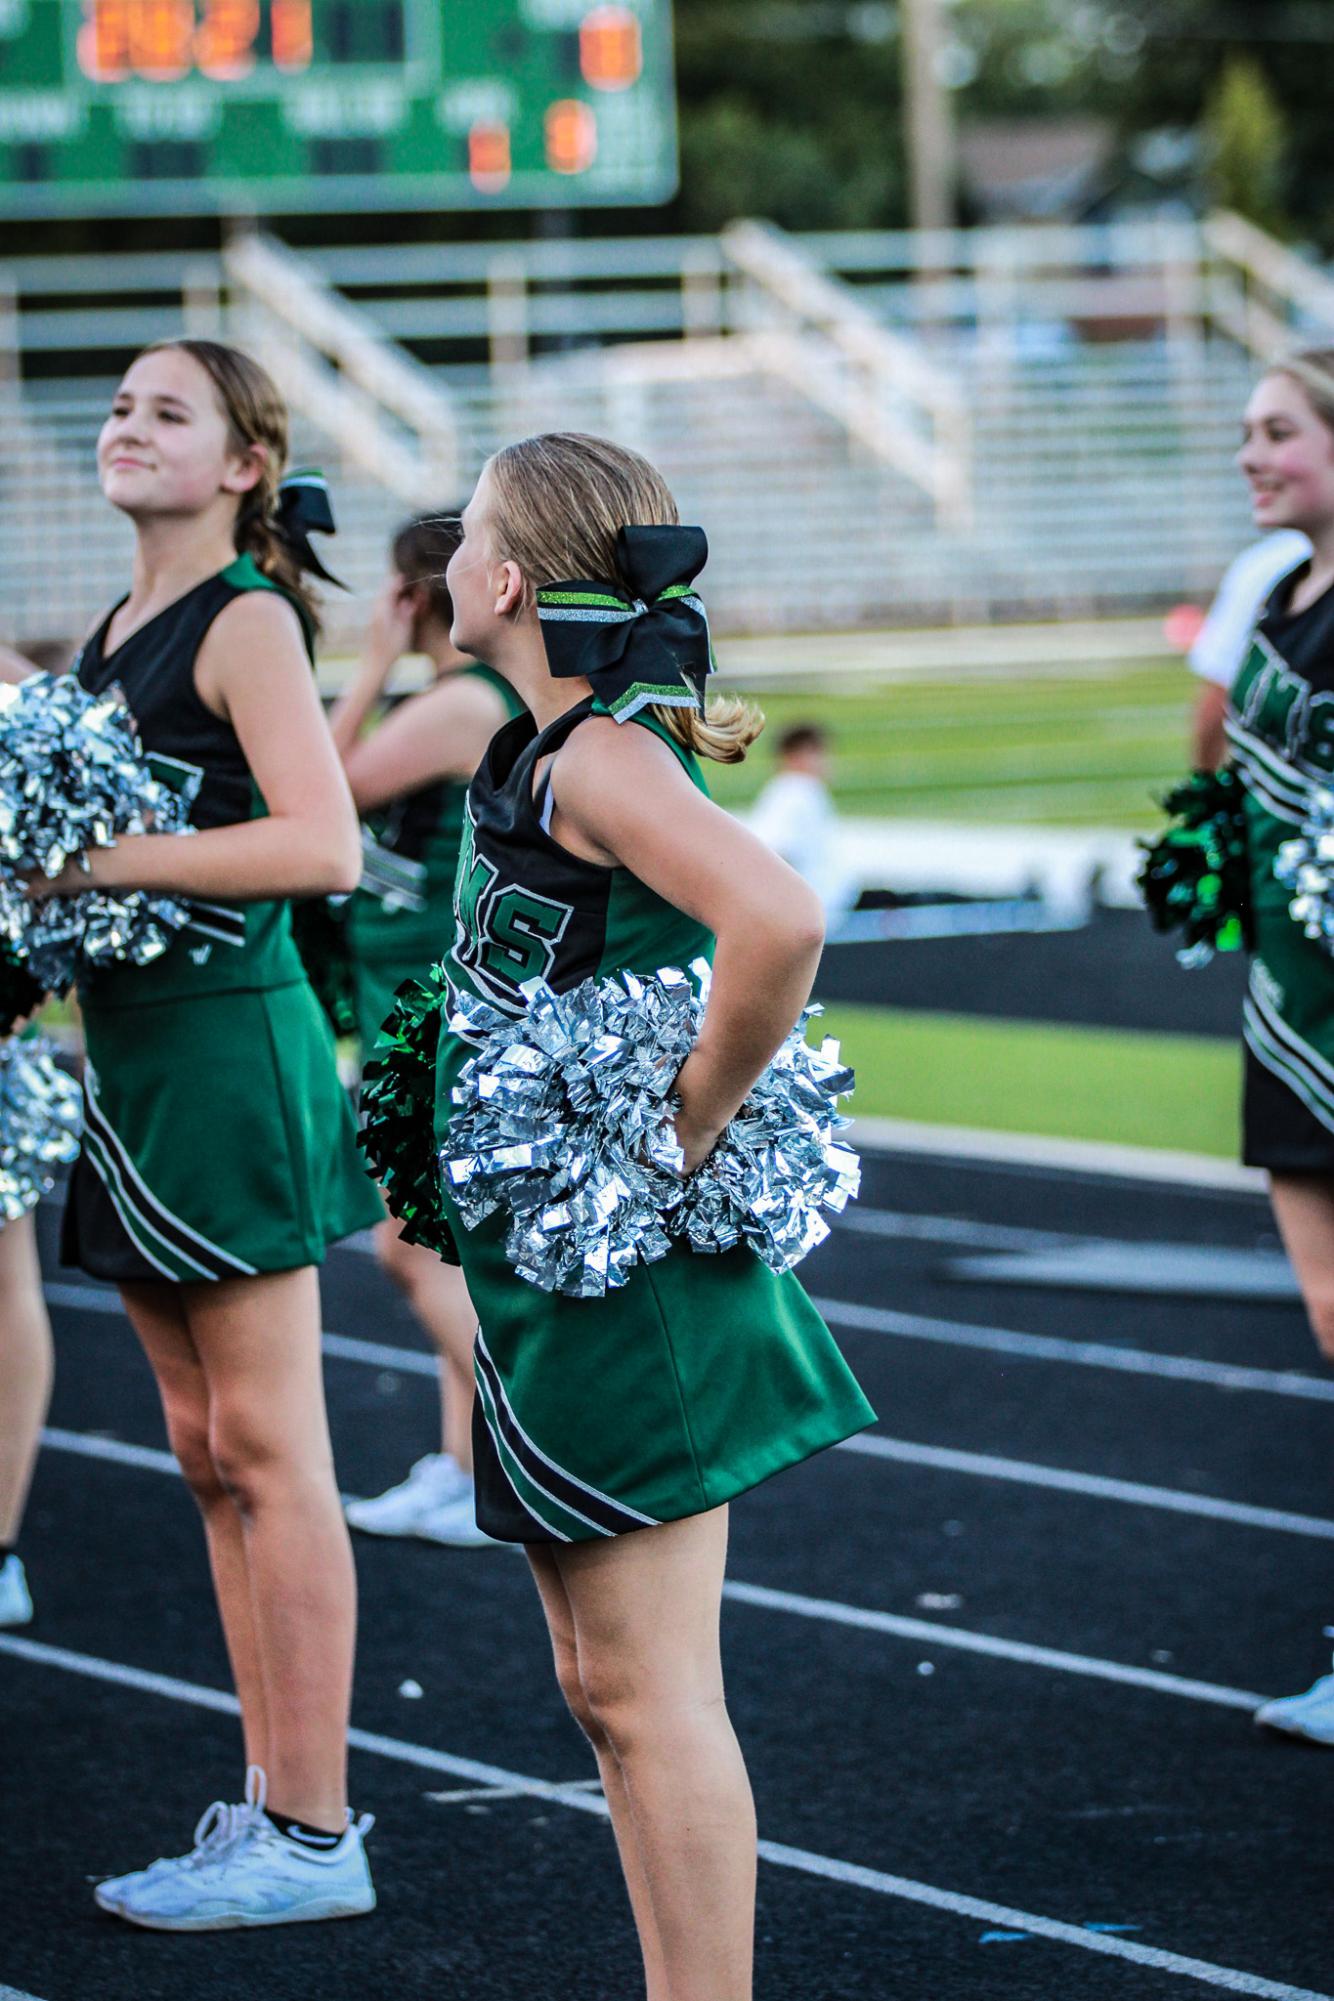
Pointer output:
x,y
827,1610
924,1632
879,1320
1023,1472
1084,1354
913,1226
1104,1158
803,1860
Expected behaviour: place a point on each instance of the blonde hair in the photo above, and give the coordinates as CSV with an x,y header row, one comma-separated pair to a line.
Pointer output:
x,y
256,415
1312,369
558,502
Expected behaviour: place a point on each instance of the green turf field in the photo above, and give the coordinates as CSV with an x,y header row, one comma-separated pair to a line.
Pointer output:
x,y
1051,751
1175,1091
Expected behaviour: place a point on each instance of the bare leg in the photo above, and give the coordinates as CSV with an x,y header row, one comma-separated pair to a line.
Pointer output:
x,y
438,1296
25,1368
158,1318
645,1609
560,1625
258,1341
1304,1209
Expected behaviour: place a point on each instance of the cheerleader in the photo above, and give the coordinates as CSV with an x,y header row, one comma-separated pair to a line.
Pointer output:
x,y
25,1391
408,779
611,1433
1281,730
219,1152
26,1358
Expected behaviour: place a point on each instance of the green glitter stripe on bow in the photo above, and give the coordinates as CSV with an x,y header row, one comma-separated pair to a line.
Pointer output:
x,y
636,650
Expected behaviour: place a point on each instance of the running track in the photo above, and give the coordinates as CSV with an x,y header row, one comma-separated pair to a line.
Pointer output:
x,y
992,1668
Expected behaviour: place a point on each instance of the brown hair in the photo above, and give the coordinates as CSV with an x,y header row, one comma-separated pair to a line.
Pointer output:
x,y
256,414
559,501
1312,369
420,552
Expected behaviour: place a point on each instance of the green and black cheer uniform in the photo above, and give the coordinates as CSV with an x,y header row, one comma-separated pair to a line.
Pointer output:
x,y
218,1140
703,1375
402,914
1281,729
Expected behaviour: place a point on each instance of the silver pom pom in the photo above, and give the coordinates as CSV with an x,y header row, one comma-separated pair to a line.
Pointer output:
x,y
41,1116
1306,866
73,776
564,1122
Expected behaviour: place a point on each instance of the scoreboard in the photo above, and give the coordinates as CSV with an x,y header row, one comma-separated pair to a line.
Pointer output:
x,y
124,107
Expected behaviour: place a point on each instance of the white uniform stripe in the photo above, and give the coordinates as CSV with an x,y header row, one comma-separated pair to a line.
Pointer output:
x,y
501,1450
109,1175
1302,1052
595,1493
804,1861
1279,774
151,1201
1266,1050
211,931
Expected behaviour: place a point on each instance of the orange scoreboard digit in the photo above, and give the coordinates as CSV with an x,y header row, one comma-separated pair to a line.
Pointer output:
x,y
189,106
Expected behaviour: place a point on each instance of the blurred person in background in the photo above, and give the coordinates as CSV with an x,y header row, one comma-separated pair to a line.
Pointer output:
x,y
1224,639
796,817
409,777
26,1355
1280,727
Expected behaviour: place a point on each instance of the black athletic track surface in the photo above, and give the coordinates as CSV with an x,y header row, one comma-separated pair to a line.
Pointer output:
x,y
1114,972
939,1794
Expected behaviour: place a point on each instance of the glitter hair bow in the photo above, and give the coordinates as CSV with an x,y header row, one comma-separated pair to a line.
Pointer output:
x,y
304,509
637,650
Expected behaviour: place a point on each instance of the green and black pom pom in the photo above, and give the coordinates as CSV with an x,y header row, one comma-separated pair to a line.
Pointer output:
x,y
319,926
1195,877
398,1112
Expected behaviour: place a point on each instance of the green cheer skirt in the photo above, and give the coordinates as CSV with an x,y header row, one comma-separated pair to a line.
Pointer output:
x,y
218,1140
698,1379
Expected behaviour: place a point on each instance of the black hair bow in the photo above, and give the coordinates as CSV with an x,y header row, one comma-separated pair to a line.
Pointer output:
x,y
305,508
639,648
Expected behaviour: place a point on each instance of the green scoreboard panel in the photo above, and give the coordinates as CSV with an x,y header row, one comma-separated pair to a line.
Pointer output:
x,y
121,107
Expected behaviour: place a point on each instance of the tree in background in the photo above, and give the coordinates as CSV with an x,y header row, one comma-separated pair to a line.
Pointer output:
x,y
793,108
1247,143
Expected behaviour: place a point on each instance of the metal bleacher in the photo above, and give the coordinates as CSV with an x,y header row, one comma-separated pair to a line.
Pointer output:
x,y
875,429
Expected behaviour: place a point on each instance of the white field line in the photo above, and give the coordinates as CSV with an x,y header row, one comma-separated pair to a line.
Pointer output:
x,y
803,1860
916,1226
876,1320
828,1611
988,1466
1107,1158
1022,1472
1081,1354
1025,1473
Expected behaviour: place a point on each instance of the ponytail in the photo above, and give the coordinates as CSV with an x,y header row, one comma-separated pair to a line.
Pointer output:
x,y
725,732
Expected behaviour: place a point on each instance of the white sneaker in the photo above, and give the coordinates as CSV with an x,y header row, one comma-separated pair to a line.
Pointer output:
x,y
1310,1716
433,1482
261,1878
455,1523
219,1827
15,1597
